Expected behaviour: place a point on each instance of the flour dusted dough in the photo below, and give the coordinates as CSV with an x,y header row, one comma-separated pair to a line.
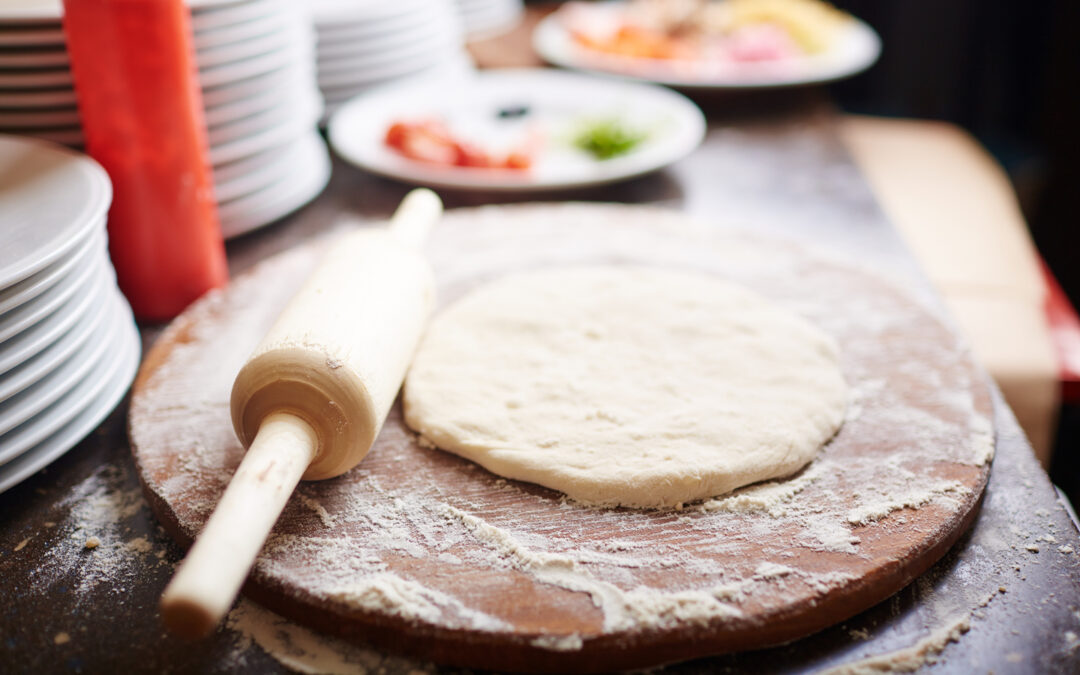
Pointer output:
x,y
626,385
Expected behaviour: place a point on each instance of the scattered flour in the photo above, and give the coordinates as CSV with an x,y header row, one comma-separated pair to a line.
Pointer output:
x,y
924,652
305,651
365,539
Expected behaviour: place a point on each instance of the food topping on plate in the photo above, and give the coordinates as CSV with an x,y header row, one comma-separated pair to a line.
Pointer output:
x,y
705,31
432,141
607,138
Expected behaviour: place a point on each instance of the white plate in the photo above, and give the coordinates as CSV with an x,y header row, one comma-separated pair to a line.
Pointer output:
x,y
345,79
15,295
246,30
391,28
211,18
336,12
28,314
35,79
236,92
256,173
43,393
72,137
31,36
32,370
262,101
39,119
328,49
276,201
34,340
854,50
53,98
30,11
86,419
50,198
427,50
456,67
100,386
298,51
281,39
304,107
294,120
44,58
559,102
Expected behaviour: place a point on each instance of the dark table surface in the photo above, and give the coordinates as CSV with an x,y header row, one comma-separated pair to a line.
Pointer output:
x,y
771,164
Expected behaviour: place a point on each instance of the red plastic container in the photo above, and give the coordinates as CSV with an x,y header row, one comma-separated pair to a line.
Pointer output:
x,y
136,82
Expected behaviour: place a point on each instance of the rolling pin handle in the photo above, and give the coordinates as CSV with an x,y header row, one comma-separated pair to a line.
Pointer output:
x,y
415,216
208,580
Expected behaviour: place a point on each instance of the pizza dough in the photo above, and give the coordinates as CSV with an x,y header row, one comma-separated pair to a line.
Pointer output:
x,y
624,385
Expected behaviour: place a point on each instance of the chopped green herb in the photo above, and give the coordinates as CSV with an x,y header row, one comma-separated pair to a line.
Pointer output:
x,y
609,138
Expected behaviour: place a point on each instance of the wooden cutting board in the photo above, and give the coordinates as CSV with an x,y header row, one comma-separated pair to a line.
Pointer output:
x,y
421,552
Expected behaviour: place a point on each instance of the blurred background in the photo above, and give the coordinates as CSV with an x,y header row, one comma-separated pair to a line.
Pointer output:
x,y
1009,73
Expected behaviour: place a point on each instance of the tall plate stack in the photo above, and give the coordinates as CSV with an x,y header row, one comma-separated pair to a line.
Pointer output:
x,y
257,71
488,18
366,43
68,344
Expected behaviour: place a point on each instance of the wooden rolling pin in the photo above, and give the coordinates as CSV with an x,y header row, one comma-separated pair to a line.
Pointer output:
x,y
312,398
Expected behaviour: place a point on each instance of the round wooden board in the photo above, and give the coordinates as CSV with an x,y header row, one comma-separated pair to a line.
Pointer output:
x,y
419,551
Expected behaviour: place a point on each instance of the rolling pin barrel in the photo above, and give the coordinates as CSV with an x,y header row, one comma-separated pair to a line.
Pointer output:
x,y
312,398
338,353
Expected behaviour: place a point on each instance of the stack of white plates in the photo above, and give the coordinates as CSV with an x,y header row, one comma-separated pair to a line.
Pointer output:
x,y
256,67
488,18
366,43
68,344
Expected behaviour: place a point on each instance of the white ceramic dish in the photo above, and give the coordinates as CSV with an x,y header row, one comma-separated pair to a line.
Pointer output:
x,y
50,358
261,101
237,71
26,290
255,173
30,11
216,36
210,18
31,36
83,422
220,55
23,317
366,11
51,58
291,123
37,338
39,119
336,78
303,106
277,200
281,78
72,137
855,50
429,50
97,391
43,393
53,199
558,104
329,48
35,79
41,98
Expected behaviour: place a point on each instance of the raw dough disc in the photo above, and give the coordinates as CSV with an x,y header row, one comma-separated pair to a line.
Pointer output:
x,y
624,385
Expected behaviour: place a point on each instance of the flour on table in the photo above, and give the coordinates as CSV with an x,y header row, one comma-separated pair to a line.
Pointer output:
x,y
917,428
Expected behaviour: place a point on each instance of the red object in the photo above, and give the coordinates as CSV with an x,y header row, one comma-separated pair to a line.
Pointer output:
x,y
431,142
141,108
1065,334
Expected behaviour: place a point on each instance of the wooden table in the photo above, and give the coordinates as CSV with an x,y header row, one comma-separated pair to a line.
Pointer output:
x,y
772,164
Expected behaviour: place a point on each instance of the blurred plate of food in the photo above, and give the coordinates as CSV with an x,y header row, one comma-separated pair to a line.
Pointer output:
x,y
713,44
516,130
